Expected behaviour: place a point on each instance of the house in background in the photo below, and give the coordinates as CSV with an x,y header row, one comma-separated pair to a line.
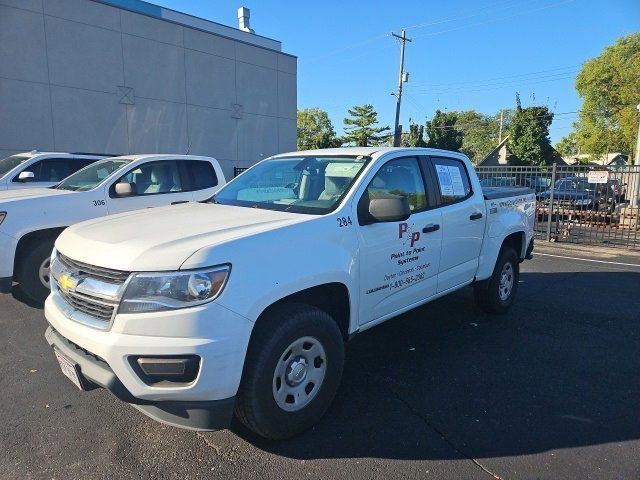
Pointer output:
x,y
613,160
501,156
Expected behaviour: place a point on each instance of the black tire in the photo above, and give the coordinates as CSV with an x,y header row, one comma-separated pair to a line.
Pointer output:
x,y
256,406
28,270
488,292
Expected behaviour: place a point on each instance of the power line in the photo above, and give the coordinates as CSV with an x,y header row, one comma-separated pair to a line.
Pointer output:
x,y
482,88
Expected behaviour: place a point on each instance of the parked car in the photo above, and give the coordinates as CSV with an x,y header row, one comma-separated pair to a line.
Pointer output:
x,y
578,193
618,189
41,169
244,303
498,182
538,184
31,219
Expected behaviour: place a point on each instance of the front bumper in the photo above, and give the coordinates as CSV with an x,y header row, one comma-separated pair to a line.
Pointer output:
x,y
218,336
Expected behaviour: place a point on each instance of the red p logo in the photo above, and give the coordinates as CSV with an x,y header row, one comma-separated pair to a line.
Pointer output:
x,y
402,229
415,236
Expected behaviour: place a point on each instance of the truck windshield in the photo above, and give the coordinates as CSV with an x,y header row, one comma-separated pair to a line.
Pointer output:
x,y
9,163
91,176
313,185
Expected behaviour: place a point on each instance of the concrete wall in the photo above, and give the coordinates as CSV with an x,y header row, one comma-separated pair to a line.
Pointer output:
x,y
79,75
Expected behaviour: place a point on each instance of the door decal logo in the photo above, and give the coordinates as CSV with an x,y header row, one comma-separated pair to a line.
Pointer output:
x,y
407,234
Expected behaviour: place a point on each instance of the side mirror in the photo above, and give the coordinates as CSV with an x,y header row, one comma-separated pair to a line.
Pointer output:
x,y
392,209
26,176
124,189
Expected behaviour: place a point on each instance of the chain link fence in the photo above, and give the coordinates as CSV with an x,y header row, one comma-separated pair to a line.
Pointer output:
x,y
578,204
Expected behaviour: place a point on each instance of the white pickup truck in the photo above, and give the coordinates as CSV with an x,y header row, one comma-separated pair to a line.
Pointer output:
x,y
243,304
31,219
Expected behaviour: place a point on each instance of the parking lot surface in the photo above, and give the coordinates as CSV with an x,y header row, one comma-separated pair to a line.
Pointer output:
x,y
549,391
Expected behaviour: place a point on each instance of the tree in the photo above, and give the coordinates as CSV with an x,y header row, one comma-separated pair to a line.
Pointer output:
x,y
481,132
529,134
315,130
415,137
442,131
568,146
610,88
361,128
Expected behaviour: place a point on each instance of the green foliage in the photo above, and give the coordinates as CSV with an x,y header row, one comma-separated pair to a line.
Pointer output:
x,y
415,137
361,128
315,130
529,135
610,88
442,131
568,145
481,132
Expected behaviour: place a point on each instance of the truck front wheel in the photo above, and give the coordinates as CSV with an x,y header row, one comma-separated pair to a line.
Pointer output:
x,y
292,371
33,271
496,294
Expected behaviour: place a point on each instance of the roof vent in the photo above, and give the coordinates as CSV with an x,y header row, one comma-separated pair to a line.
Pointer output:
x,y
243,20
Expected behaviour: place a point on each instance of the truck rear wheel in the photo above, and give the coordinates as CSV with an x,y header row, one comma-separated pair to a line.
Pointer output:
x,y
33,271
292,371
496,294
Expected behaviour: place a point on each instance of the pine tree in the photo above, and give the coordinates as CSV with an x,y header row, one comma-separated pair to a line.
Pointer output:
x,y
362,130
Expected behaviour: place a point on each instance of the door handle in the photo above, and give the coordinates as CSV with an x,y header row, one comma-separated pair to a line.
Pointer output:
x,y
432,227
475,216
179,202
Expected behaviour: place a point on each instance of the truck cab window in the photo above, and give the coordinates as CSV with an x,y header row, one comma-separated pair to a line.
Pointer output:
x,y
453,179
400,177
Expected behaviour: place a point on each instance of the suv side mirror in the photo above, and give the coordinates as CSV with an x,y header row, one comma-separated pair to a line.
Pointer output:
x,y
124,189
26,176
392,209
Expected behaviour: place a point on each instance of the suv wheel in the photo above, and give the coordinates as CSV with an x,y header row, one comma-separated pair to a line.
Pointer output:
x,y
496,294
33,271
292,371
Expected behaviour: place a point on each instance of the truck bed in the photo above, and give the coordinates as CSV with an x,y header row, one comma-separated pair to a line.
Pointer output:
x,y
493,193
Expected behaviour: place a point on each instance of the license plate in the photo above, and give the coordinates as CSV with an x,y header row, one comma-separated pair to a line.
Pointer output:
x,y
69,369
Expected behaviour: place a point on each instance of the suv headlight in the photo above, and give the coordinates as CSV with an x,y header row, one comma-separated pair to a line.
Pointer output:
x,y
583,201
3,215
154,292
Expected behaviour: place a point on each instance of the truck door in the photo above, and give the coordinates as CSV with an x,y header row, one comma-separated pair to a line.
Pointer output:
x,y
463,221
398,260
153,184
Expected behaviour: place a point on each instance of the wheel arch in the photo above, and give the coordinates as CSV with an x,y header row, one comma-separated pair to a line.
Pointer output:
x,y
32,238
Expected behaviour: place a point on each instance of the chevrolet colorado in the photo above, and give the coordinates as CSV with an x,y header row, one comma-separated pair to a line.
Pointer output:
x,y
243,304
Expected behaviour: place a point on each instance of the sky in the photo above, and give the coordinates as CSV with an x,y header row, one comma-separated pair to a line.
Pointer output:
x,y
464,54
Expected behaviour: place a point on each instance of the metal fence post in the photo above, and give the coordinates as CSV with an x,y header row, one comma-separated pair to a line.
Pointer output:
x,y
550,212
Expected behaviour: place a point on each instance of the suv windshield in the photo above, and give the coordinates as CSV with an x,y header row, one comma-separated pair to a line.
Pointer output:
x,y
312,185
91,176
9,163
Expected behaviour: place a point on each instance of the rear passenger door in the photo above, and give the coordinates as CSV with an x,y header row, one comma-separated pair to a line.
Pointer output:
x,y
463,221
154,184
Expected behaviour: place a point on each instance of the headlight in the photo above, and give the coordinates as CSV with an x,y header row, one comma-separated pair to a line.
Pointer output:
x,y
3,215
154,292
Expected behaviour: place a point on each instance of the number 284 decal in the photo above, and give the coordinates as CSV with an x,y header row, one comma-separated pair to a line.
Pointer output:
x,y
344,221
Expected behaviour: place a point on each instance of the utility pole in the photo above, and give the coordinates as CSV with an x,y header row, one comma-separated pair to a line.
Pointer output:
x,y
501,122
402,77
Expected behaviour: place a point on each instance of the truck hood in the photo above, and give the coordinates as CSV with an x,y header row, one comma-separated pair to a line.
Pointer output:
x,y
30,193
163,238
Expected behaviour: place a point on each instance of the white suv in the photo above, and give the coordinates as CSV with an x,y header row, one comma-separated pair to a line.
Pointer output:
x,y
31,219
41,169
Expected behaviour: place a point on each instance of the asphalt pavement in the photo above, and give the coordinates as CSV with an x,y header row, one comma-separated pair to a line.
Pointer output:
x,y
549,391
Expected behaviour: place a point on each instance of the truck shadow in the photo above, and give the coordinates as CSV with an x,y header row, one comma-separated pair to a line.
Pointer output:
x,y
560,370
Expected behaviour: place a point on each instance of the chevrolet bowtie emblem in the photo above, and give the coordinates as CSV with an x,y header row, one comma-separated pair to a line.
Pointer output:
x,y
66,282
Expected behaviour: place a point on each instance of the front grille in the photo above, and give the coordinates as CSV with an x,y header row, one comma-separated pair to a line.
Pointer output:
x,y
100,273
92,306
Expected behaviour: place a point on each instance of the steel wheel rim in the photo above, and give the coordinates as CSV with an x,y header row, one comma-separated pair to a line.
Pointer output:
x,y
506,281
299,374
44,272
